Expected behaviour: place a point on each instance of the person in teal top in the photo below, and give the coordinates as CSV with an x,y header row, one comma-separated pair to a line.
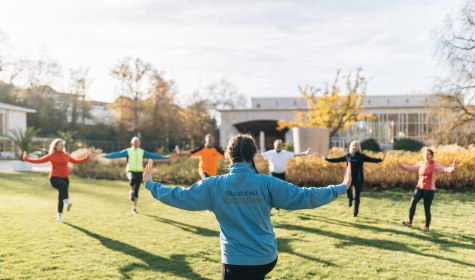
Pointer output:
x,y
134,169
241,202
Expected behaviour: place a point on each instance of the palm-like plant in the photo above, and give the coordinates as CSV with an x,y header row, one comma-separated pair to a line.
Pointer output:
x,y
23,139
68,137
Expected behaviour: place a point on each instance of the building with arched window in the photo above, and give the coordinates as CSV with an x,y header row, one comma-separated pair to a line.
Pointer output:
x,y
396,116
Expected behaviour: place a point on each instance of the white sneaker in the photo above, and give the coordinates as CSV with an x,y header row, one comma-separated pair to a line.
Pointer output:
x,y
68,204
133,211
59,218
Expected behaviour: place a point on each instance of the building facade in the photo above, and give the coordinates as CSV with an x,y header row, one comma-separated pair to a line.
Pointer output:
x,y
396,116
11,118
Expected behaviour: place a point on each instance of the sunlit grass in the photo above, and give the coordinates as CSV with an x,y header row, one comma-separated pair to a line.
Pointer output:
x,y
101,240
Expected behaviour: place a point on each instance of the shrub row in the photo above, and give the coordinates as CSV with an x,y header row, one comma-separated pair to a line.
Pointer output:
x,y
309,170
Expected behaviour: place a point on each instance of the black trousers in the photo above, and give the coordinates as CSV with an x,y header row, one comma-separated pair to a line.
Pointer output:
x,y
135,180
278,175
356,187
62,185
246,272
428,196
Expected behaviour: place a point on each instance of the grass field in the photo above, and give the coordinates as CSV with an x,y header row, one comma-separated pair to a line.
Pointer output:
x,y
101,240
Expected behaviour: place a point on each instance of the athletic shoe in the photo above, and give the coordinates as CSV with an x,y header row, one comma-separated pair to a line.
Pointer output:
x,y
355,214
68,204
426,229
407,223
59,218
133,211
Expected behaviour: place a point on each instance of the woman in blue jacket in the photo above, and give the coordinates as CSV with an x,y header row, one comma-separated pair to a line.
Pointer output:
x,y
242,201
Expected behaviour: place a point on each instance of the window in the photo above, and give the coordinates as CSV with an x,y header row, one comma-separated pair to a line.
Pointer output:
x,y
2,124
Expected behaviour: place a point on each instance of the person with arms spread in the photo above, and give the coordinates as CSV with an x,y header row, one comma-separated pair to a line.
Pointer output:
x,y
356,159
208,155
425,188
59,174
134,168
241,202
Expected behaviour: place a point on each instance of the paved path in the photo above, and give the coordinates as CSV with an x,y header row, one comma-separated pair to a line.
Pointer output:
x,y
18,165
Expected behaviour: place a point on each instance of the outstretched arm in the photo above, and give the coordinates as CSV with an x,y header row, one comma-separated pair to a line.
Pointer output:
x,y
288,196
443,168
194,198
120,154
42,159
73,160
338,159
371,159
150,155
410,167
304,153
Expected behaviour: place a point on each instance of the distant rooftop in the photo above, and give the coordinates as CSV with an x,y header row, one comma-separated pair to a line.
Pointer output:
x,y
16,108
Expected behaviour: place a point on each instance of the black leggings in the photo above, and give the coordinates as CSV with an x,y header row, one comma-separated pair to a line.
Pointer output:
x,y
357,186
62,185
428,196
135,180
246,272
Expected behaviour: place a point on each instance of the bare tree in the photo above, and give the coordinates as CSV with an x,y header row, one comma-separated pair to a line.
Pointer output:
x,y
3,39
221,95
79,83
456,48
134,77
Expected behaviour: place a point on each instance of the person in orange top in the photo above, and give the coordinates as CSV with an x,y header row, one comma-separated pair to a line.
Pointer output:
x,y
59,173
208,155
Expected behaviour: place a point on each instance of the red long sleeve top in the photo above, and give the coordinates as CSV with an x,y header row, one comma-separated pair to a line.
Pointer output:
x,y
59,163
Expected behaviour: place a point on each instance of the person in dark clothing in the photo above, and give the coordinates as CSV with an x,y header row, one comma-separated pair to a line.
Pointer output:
x,y
356,159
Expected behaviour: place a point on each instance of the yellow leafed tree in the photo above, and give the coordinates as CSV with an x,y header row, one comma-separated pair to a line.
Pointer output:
x,y
330,108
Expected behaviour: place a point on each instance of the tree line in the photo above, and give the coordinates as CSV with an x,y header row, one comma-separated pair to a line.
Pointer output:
x,y
146,104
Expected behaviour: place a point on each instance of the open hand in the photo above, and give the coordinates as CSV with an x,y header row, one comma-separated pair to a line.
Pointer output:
x,y
453,165
347,179
147,174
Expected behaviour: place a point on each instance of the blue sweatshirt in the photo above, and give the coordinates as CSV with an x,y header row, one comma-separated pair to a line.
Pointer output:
x,y
241,201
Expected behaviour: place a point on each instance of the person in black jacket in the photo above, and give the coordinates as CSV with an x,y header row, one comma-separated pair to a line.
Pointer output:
x,y
356,159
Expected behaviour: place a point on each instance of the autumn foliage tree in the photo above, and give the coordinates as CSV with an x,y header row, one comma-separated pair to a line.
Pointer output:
x,y
330,107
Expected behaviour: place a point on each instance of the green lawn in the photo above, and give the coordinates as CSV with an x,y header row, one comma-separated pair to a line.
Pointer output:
x,y
101,240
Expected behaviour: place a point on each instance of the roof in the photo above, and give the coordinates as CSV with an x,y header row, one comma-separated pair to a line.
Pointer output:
x,y
16,108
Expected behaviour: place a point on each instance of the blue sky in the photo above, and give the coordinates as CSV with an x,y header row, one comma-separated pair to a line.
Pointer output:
x,y
266,48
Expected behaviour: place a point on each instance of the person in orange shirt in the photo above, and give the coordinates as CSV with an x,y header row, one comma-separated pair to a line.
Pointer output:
x,y
208,156
59,173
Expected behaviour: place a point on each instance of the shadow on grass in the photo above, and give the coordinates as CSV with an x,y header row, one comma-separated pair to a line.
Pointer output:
x,y
285,247
403,195
347,240
432,236
176,265
284,243
187,227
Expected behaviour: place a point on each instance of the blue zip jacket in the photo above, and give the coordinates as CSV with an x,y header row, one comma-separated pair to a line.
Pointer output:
x,y
241,201
124,153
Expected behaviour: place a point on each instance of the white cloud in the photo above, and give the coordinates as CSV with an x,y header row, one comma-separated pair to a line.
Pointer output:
x,y
264,47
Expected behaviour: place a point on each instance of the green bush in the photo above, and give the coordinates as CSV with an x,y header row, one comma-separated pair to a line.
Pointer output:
x,y
407,144
370,145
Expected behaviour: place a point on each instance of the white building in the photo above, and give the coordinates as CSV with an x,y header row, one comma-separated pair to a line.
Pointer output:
x,y
11,117
397,116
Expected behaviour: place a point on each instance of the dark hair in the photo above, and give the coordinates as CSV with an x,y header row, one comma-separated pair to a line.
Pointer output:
x,y
431,152
242,148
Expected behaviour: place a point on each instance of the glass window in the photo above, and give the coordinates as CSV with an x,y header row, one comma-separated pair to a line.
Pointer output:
x,y
413,118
